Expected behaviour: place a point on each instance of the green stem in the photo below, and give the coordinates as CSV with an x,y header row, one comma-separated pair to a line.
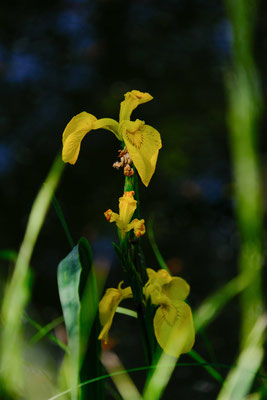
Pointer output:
x,y
137,274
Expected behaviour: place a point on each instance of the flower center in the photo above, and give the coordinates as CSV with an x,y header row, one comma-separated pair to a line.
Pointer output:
x,y
135,137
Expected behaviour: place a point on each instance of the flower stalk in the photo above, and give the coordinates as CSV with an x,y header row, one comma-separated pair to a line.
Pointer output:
x,y
159,298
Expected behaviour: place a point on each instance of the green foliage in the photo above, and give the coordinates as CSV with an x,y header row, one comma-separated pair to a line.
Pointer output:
x,y
17,291
79,301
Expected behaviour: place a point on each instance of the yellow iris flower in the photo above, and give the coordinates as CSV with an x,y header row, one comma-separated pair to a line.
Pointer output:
x,y
108,306
142,141
173,322
127,207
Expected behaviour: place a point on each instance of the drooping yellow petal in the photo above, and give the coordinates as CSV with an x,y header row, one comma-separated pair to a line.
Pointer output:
x,y
138,225
108,306
143,143
174,328
77,128
74,133
109,124
132,100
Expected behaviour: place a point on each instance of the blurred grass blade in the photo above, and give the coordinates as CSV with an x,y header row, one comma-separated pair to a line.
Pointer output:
x,y
244,107
211,307
18,290
123,381
241,377
138,369
43,331
50,336
79,301
158,380
62,220
212,371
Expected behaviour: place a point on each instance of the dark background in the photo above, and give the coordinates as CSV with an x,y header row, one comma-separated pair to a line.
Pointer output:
x,y
58,58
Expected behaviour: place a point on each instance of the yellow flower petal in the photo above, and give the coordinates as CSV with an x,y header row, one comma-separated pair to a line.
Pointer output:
x,y
174,328
111,216
151,273
143,143
177,289
108,306
127,206
138,225
77,128
132,100
74,133
109,124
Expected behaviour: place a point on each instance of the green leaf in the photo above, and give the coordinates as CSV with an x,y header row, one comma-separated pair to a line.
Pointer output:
x,y
79,301
91,366
69,272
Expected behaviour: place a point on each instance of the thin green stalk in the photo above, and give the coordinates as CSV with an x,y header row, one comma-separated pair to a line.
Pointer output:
x,y
139,369
45,331
138,276
213,372
62,220
154,245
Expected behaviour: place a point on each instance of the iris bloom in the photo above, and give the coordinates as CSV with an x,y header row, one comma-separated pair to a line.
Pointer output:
x,y
173,323
142,141
127,207
108,306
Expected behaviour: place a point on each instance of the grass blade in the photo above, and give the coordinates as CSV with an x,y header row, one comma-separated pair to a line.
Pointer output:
x,y
17,291
211,307
244,106
62,220
240,378
40,328
154,245
43,331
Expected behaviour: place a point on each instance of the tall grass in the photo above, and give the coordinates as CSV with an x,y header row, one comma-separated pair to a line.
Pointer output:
x,y
17,290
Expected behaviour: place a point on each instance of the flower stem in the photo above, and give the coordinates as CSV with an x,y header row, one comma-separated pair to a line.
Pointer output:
x,y
136,267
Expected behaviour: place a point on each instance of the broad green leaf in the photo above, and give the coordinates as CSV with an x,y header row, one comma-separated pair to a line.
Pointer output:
x,y
79,301
69,272
90,365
